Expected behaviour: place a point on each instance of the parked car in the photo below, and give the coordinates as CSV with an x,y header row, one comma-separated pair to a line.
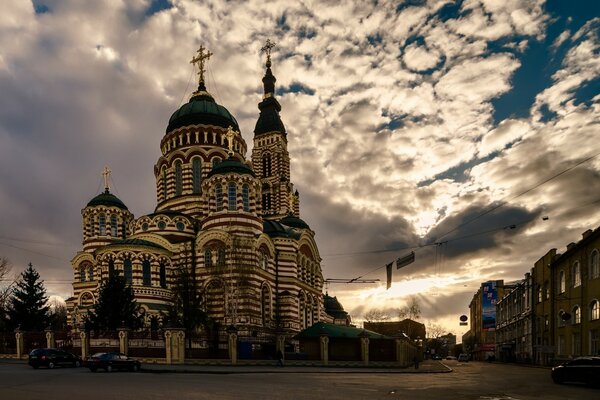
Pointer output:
x,y
450,358
52,357
463,357
436,357
112,361
580,369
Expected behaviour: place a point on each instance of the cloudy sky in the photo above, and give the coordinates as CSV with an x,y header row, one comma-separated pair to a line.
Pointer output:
x,y
409,124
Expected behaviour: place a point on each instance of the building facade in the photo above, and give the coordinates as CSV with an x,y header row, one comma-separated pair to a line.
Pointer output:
x,y
234,222
514,322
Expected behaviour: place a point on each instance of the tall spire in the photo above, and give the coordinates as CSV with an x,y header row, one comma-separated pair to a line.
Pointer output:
x,y
269,120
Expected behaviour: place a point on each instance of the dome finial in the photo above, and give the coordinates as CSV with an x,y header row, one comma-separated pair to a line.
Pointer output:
x,y
267,49
106,175
199,60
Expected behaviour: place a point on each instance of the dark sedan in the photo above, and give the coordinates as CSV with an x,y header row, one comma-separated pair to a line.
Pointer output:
x,y
52,357
112,361
581,370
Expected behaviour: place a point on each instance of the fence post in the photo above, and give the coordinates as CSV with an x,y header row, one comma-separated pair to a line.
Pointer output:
x,y
85,344
124,340
174,345
168,355
364,346
20,345
232,334
50,342
324,345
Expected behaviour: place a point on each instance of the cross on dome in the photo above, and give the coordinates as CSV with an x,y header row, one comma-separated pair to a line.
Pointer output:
x,y
267,49
199,61
106,175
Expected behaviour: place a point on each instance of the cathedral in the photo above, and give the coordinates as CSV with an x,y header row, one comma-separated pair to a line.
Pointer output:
x,y
234,222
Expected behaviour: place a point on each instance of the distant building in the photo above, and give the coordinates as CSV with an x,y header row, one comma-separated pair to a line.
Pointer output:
x,y
483,318
543,323
514,322
413,329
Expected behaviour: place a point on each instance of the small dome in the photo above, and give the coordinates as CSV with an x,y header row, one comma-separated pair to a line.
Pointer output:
x,y
274,229
107,199
294,222
202,109
231,165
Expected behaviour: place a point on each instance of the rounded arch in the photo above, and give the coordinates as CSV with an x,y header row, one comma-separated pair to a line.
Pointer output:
x,y
86,298
266,303
215,299
594,310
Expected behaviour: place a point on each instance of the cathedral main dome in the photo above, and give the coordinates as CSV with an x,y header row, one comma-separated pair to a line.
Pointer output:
x,y
202,109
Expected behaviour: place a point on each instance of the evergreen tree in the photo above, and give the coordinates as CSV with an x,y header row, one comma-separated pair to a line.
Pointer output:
x,y
116,306
28,309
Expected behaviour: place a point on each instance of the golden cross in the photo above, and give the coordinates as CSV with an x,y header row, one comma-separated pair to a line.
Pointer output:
x,y
230,135
267,49
106,174
200,59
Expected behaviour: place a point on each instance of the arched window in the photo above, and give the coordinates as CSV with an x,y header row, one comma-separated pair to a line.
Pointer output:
x,y
207,258
232,196
221,257
594,265
91,273
215,161
111,268
178,178
113,225
266,164
265,305
264,260
82,273
146,276
124,230
576,315
594,310
196,175
163,275
164,183
127,270
576,274
246,197
547,290
102,223
219,196
266,201
562,282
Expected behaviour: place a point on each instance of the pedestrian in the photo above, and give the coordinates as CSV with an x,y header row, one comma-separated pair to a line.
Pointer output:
x,y
279,356
416,361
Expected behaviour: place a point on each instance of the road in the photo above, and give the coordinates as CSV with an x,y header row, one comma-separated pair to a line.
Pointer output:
x,y
480,381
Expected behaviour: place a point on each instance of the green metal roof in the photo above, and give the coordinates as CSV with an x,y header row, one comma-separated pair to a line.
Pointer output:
x,y
231,165
107,199
337,331
137,242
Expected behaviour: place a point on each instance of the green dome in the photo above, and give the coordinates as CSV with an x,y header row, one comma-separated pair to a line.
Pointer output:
x,y
107,199
231,165
294,222
202,109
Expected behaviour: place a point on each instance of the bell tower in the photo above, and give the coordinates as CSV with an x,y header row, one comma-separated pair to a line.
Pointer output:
x,y
270,157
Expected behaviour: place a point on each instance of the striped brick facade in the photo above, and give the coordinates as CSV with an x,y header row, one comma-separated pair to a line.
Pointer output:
x,y
220,214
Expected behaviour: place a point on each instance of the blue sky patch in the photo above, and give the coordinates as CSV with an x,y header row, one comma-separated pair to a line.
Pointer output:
x,y
158,6
40,8
295,87
460,172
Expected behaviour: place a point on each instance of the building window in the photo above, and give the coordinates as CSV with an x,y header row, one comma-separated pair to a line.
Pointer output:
x,y
207,258
266,201
560,350
146,276
562,282
539,294
221,257
178,178
215,161
82,274
576,274
594,311
594,265
246,197
577,344
266,164
264,260
232,196
91,274
163,275
196,175
111,268
219,196
547,290
102,223
162,225
595,342
164,184
576,315
127,271
123,230
113,226
561,320
180,226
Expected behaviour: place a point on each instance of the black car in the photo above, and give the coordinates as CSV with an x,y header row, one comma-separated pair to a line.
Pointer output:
x,y
112,361
581,369
52,357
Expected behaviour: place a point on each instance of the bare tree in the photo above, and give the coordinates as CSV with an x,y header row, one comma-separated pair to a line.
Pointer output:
x,y
412,310
434,331
5,290
376,315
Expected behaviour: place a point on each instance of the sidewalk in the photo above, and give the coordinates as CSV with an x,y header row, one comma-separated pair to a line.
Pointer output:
x,y
270,367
